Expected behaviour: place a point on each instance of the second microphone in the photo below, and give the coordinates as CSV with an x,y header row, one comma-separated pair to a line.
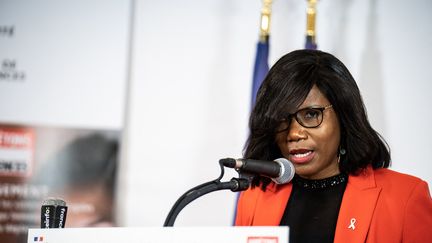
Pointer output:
x,y
280,170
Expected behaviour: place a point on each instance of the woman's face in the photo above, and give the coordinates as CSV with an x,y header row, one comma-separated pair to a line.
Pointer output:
x,y
313,151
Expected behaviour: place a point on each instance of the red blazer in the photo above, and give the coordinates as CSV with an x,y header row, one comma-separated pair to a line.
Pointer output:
x,y
377,206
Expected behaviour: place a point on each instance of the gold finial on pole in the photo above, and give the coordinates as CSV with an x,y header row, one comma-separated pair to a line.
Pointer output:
x,y
265,20
311,15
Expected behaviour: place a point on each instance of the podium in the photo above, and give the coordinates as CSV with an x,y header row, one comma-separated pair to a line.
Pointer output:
x,y
261,234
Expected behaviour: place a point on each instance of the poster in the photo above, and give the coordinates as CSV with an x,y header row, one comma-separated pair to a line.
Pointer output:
x,y
76,165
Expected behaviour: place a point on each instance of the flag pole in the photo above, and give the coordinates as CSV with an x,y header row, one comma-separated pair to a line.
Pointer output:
x,y
265,21
310,25
261,66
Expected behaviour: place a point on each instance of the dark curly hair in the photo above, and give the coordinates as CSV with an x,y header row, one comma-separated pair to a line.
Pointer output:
x,y
285,88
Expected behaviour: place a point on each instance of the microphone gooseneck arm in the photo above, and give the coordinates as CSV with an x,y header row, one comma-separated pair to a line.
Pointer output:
x,y
235,185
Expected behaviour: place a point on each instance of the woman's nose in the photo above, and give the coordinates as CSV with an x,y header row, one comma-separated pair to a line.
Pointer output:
x,y
296,131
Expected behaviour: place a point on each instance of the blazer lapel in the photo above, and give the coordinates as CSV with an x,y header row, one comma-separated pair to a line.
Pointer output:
x,y
271,205
358,204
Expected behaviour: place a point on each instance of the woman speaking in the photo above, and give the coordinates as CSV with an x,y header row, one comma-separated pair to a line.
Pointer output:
x,y
310,111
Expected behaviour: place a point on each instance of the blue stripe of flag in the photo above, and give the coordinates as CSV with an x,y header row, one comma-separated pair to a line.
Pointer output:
x,y
261,67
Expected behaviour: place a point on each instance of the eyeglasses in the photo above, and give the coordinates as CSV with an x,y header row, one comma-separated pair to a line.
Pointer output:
x,y
309,117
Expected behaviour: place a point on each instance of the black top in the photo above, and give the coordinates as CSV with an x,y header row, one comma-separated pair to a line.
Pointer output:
x,y
313,208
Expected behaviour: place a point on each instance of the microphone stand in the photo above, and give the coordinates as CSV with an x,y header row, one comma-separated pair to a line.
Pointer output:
x,y
235,185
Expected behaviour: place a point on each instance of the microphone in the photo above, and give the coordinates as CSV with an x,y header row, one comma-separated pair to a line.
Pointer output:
x,y
280,170
53,213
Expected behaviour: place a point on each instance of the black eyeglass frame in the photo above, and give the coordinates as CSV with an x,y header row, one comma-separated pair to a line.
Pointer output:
x,y
295,115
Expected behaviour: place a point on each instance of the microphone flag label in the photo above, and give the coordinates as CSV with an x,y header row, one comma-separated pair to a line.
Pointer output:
x,y
53,215
47,216
60,216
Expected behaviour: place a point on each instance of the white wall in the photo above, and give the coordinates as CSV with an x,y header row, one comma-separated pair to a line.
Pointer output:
x,y
190,90
72,56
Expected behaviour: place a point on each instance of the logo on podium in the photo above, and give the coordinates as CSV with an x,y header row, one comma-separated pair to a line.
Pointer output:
x,y
38,239
262,239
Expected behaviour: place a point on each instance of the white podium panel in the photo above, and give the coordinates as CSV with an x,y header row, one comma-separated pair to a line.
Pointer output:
x,y
161,235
